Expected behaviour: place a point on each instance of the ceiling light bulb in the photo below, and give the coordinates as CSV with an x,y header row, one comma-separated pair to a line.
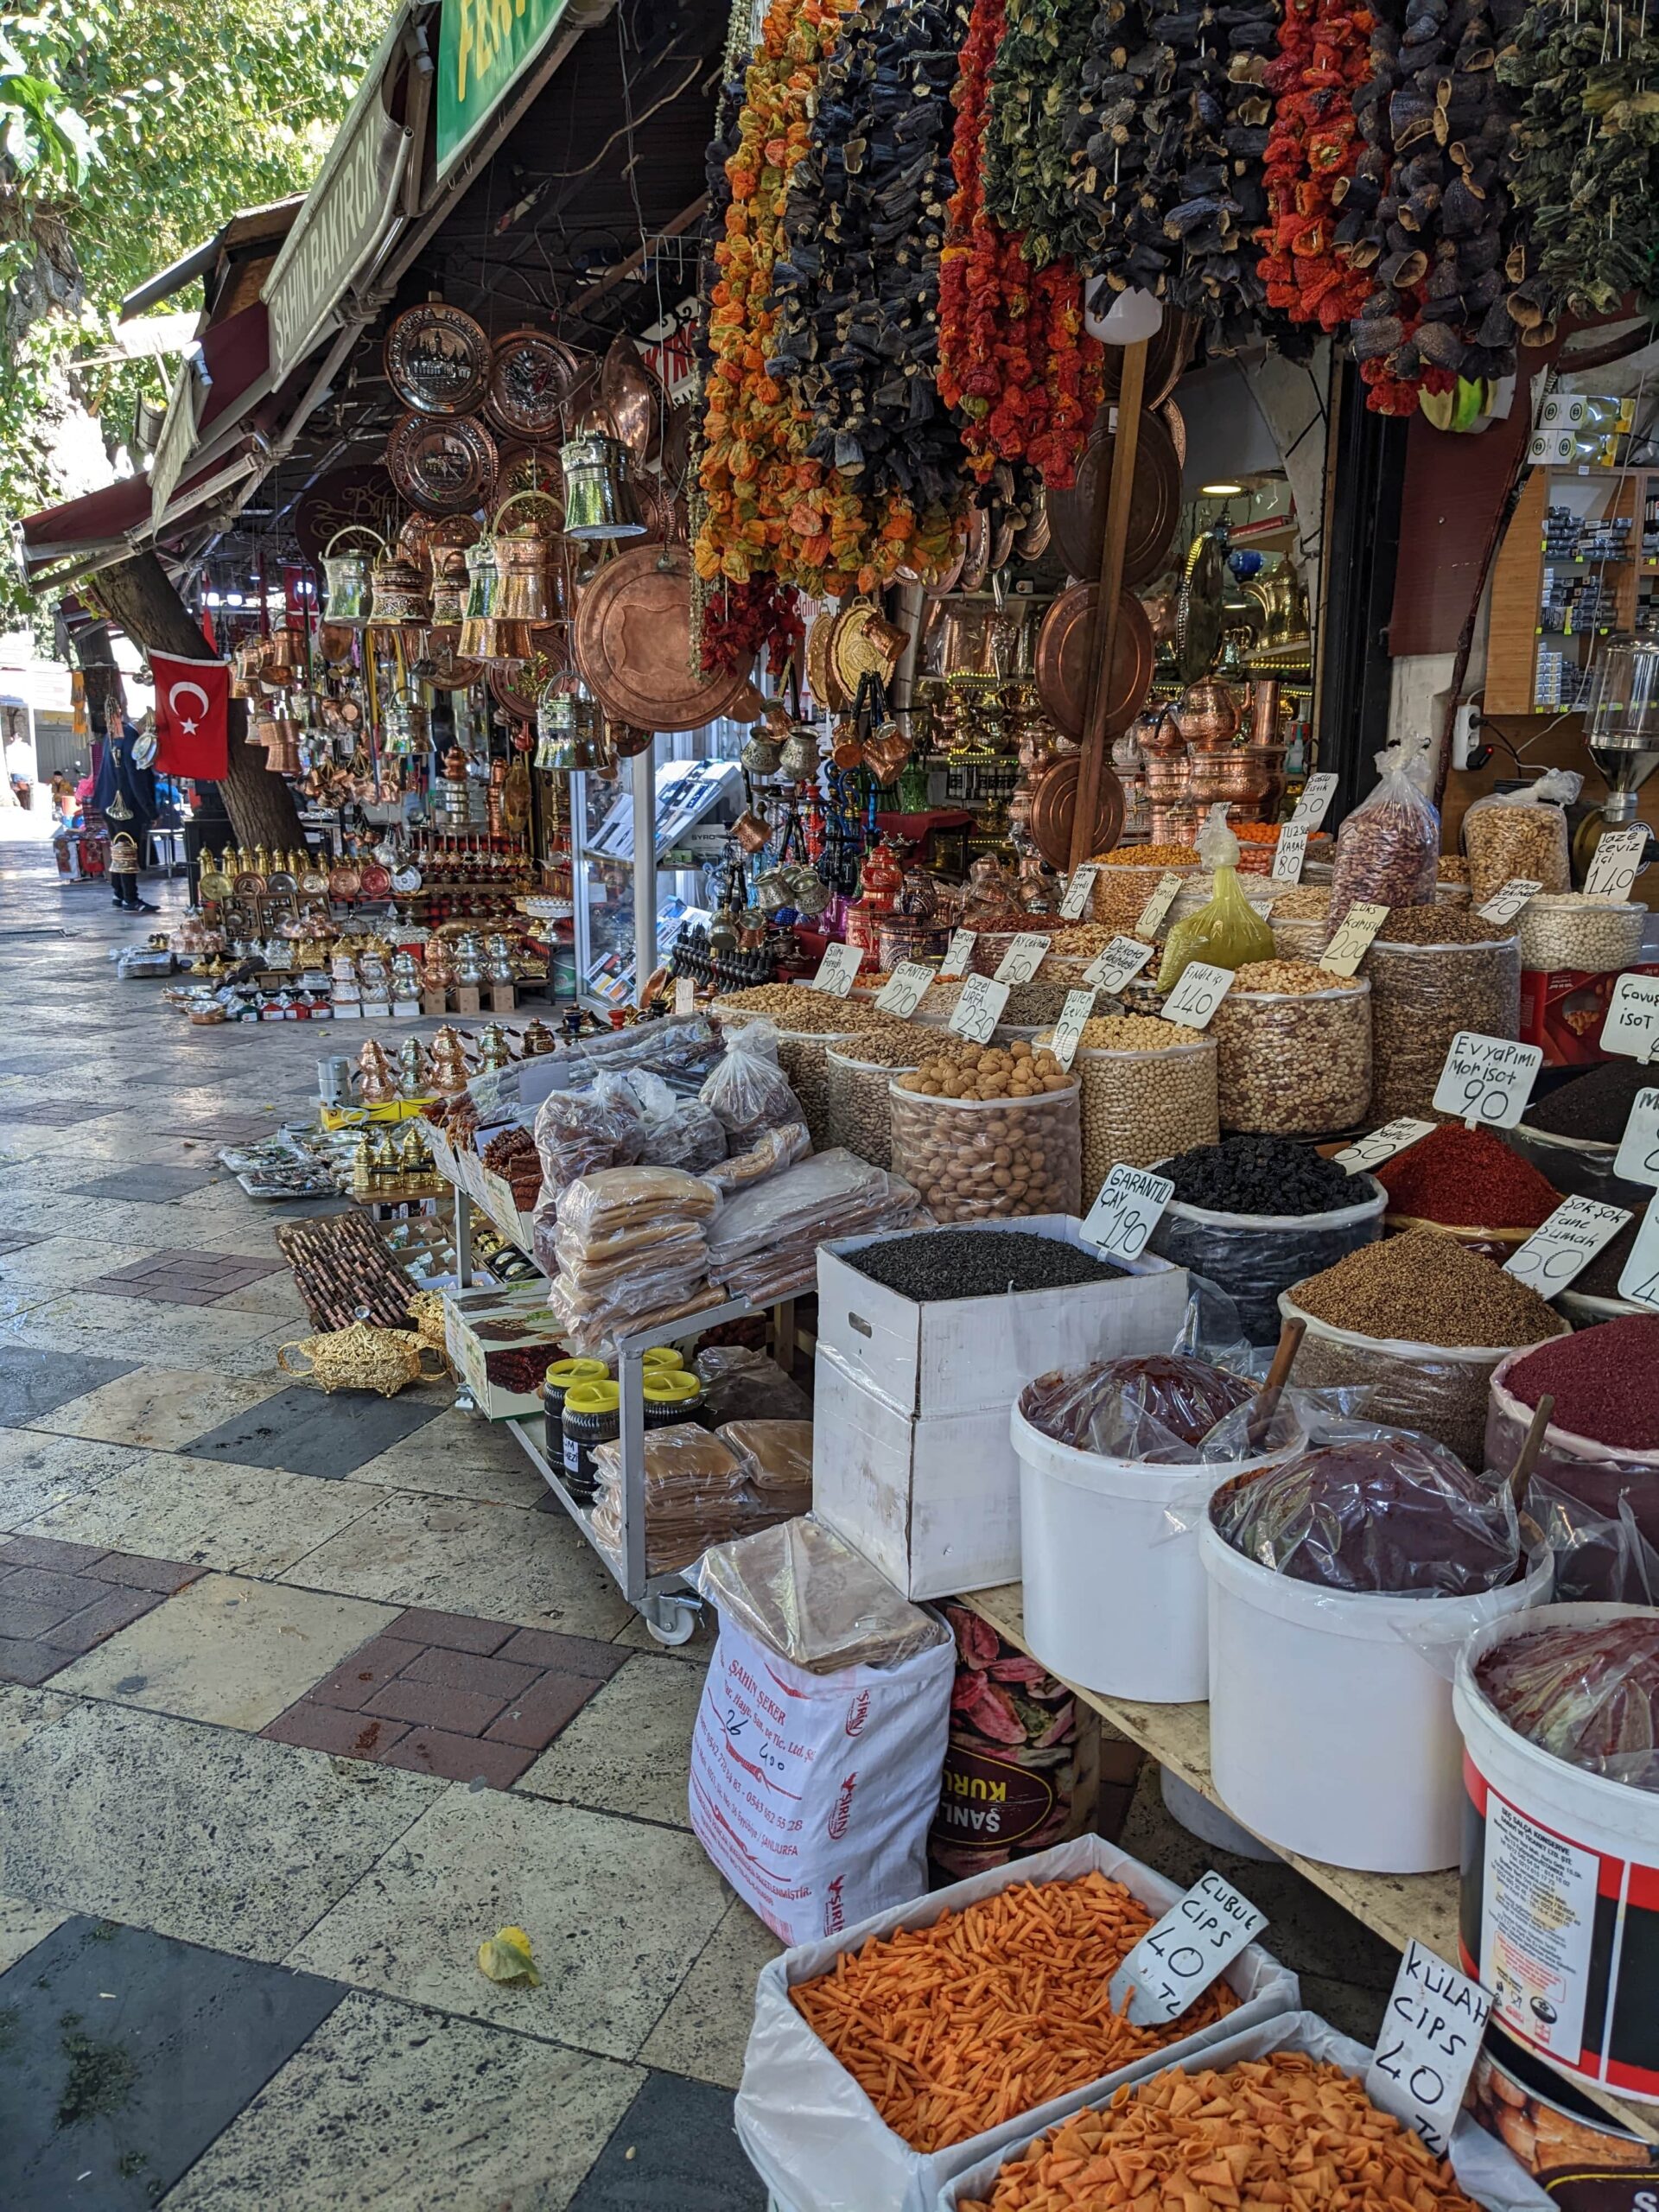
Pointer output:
x,y
1221,491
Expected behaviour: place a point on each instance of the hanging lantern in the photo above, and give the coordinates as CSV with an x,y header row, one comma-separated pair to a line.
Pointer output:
x,y
521,564
598,502
482,582
350,595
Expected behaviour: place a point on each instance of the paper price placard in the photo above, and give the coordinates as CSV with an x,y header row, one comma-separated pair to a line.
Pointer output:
x,y
1507,901
1290,852
1615,863
1631,1028
1640,1280
840,963
685,994
1487,1078
904,989
979,1009
1176,1960
1637,1158
1023,958
1568,1242
1068,1030
1431,2037
1382,1144
1078,892
1314,803
1119,963
1352,940
1169,886
1127,1209
1199,990
957,953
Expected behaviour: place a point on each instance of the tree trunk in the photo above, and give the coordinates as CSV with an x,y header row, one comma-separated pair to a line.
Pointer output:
x,y
140,596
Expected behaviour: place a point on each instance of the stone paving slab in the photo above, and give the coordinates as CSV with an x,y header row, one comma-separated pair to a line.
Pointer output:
x,y
59,1600
34,1381
675,2146
308,1432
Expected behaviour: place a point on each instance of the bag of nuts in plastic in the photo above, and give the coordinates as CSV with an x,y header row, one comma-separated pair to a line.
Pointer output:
x,y
1149,1090
859,1074
988,1132
1295,1046
1509,834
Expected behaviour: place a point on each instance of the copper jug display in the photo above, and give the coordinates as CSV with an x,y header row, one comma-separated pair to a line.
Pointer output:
x,y
348,594
398,591
598,498
448,585
521,563
482,581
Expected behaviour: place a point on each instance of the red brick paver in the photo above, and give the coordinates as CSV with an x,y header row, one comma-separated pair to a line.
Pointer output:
x,y
184,1278
448,1695
57,1601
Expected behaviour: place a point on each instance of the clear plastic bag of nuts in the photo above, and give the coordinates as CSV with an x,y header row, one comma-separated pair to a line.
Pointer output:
x,y
1148,1091
985,1159
1293,1062
1510,834
1389,848
859,1075
1421,996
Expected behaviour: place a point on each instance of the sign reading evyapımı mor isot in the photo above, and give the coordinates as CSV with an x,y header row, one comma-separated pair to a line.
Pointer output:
x,y
483,46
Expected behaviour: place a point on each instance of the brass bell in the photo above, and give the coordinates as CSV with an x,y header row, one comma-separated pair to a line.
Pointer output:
x,y
521,593
598,500
482,581
349,594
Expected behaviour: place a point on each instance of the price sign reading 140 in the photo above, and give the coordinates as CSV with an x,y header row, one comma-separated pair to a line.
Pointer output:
x,y
1487,1078
1615,863
1199,990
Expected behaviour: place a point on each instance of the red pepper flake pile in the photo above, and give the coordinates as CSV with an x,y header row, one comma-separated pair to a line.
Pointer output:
x,y
1467,1179
1605,1382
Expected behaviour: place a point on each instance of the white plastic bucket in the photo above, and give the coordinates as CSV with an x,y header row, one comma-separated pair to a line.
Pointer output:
x,y
1114,1590
1194,1812
1330,1726
1560,1886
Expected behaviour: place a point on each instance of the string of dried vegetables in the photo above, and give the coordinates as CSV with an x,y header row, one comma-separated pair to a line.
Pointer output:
x,y
1323,54
856,292
1036,81
754,467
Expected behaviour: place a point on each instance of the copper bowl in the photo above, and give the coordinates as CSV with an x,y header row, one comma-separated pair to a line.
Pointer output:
x,y
1244,776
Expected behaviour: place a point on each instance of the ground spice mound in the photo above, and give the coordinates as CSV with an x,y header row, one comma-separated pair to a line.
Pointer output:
x,y
1467,1179
953,2029
1287,2130
1593,1107
1605,1382
1424,1288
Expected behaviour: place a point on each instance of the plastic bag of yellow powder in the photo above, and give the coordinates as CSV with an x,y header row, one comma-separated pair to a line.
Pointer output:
x,y
1228,932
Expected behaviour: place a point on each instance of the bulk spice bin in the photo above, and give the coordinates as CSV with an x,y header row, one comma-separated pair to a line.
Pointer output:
x,y
815,2138
858,1076
1469,1185
1488,2175
1434,970
1572,1136
1294,1047
1145,1085
1340,1583
1560,1901
988,1131
1595,935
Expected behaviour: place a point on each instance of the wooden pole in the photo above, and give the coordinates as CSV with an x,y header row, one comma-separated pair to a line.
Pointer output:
x,y
1118,491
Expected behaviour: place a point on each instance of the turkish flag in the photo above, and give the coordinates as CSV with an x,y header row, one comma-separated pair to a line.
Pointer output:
x,y
192,713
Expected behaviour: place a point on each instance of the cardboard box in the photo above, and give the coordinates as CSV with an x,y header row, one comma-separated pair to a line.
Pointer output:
x,y
911,1459
480,1325
1562,1009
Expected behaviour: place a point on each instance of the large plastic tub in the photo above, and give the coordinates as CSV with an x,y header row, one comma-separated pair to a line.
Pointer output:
x,y
1330,1726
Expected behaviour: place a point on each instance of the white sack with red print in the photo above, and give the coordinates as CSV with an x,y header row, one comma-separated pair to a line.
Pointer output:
x,y
812,1793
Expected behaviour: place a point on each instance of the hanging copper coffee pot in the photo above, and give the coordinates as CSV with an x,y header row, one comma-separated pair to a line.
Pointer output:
x,y
448,586
349,591
1207,713
522,592
482,582
598,498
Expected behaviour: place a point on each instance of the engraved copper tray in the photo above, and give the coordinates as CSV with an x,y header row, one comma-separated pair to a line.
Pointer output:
x,y
632,639
444,465
1063,661
1154,505
1054,805
437,360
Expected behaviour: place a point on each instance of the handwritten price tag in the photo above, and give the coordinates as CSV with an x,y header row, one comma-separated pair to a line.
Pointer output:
x,y
1631,1028
1506,902
1199,991
904,989
1431,2037
1068,1030
1314,803
1176,1960
1169,887
1023,958
1290,852
1078,891
1568,1242
1638,1159
1127,1209
1487,1078
957,953
685,994
1352,939
1640,1280
840,963
979,1009
1382,1144
1615,863
1119,963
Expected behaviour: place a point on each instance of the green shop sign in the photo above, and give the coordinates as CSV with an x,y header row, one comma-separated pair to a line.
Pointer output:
x,y
484,47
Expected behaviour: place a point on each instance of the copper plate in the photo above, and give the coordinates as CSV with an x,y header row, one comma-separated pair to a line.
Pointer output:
x,y
529,469
632,397
632,639
1063,661
1054,804
249,886
821,679
529,377
344,882
437,360
314,883
444,464
1154,506
377,881
1168,351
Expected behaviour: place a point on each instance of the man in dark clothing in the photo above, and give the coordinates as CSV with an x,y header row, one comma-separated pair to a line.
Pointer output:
x,y
126,795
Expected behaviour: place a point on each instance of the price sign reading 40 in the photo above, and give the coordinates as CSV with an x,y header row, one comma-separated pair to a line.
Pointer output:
x,y
1487,1078
1640,1280
1637,1158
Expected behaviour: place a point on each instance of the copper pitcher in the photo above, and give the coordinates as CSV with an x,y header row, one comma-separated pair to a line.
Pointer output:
x,y
523,593
751,830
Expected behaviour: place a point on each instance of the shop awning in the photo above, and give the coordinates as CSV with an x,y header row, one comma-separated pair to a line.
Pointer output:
x,y
83,534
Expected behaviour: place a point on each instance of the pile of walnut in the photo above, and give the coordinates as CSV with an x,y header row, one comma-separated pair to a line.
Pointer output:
x,y
969,1071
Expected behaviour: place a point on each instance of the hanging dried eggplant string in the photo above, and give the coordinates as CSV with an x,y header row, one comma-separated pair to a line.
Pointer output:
x,y
1586,177
1324,55
856,293
1122,137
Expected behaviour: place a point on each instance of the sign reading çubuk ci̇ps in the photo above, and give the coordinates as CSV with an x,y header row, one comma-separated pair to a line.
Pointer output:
x,y
483,46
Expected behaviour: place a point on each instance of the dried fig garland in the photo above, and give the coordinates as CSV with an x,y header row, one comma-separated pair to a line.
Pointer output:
x,y
1584,74
1324,55
857,294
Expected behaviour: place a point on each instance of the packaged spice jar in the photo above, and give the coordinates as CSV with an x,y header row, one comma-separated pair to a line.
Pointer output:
x,y
1387,849
1146,1085
1294,1042
1420,1325
1255,1214
858,1075
985,1132
1434,970
1510,834
1570,930
670,1396
562,1377
592,1416
1471,1185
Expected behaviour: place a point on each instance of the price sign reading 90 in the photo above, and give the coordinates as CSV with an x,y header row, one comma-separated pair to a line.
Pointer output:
x,y
1487,1078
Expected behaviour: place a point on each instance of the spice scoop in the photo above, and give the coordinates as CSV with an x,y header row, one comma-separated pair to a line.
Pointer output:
x,y
1260,1421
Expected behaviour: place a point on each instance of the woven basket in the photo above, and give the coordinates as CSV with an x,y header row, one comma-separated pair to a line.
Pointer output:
x,y
360,1358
